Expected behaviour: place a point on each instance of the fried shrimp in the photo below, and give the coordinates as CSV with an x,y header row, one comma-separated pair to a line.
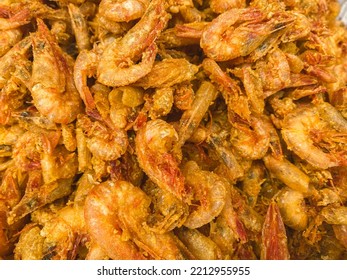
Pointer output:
x,y
8,39
236,102
55,96
153,143
209,192
80,27
117,66
299,129
102,222
274,238
7,62
219,6
14,19
252,142
84,68
103,142
112,224
238,32
173,129
123,10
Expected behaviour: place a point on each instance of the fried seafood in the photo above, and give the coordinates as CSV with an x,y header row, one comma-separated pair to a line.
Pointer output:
x,y
123,10
209,195
299,129
173,129
117,66
54,96
154,143
119,231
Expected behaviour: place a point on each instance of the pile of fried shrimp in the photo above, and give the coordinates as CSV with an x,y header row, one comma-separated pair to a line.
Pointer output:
x,y
173,130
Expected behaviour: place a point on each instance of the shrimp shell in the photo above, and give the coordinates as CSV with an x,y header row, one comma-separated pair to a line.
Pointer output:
x,y
102,223
153,145
192,117
109,221
123,10
8,39
209,189
54,94
116,66
201,246
80,27
288,173
296,133
293,209
274,238
168,72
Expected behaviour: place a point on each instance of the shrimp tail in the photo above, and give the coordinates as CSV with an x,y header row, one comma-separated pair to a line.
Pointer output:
x,y
274,238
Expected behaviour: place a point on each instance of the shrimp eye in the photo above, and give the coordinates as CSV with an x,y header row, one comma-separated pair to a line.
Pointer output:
x,y
40,45
50,253
25,114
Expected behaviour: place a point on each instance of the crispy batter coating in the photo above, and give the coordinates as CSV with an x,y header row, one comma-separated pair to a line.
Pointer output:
x,y
173,129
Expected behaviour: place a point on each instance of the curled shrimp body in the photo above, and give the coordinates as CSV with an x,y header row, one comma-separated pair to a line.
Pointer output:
x,y
252,142
54,94
123,10
291,204
117,63
114,212
102,222
238,32
169,72
64,233
85,67
304,127
103,142
153,144
210,192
